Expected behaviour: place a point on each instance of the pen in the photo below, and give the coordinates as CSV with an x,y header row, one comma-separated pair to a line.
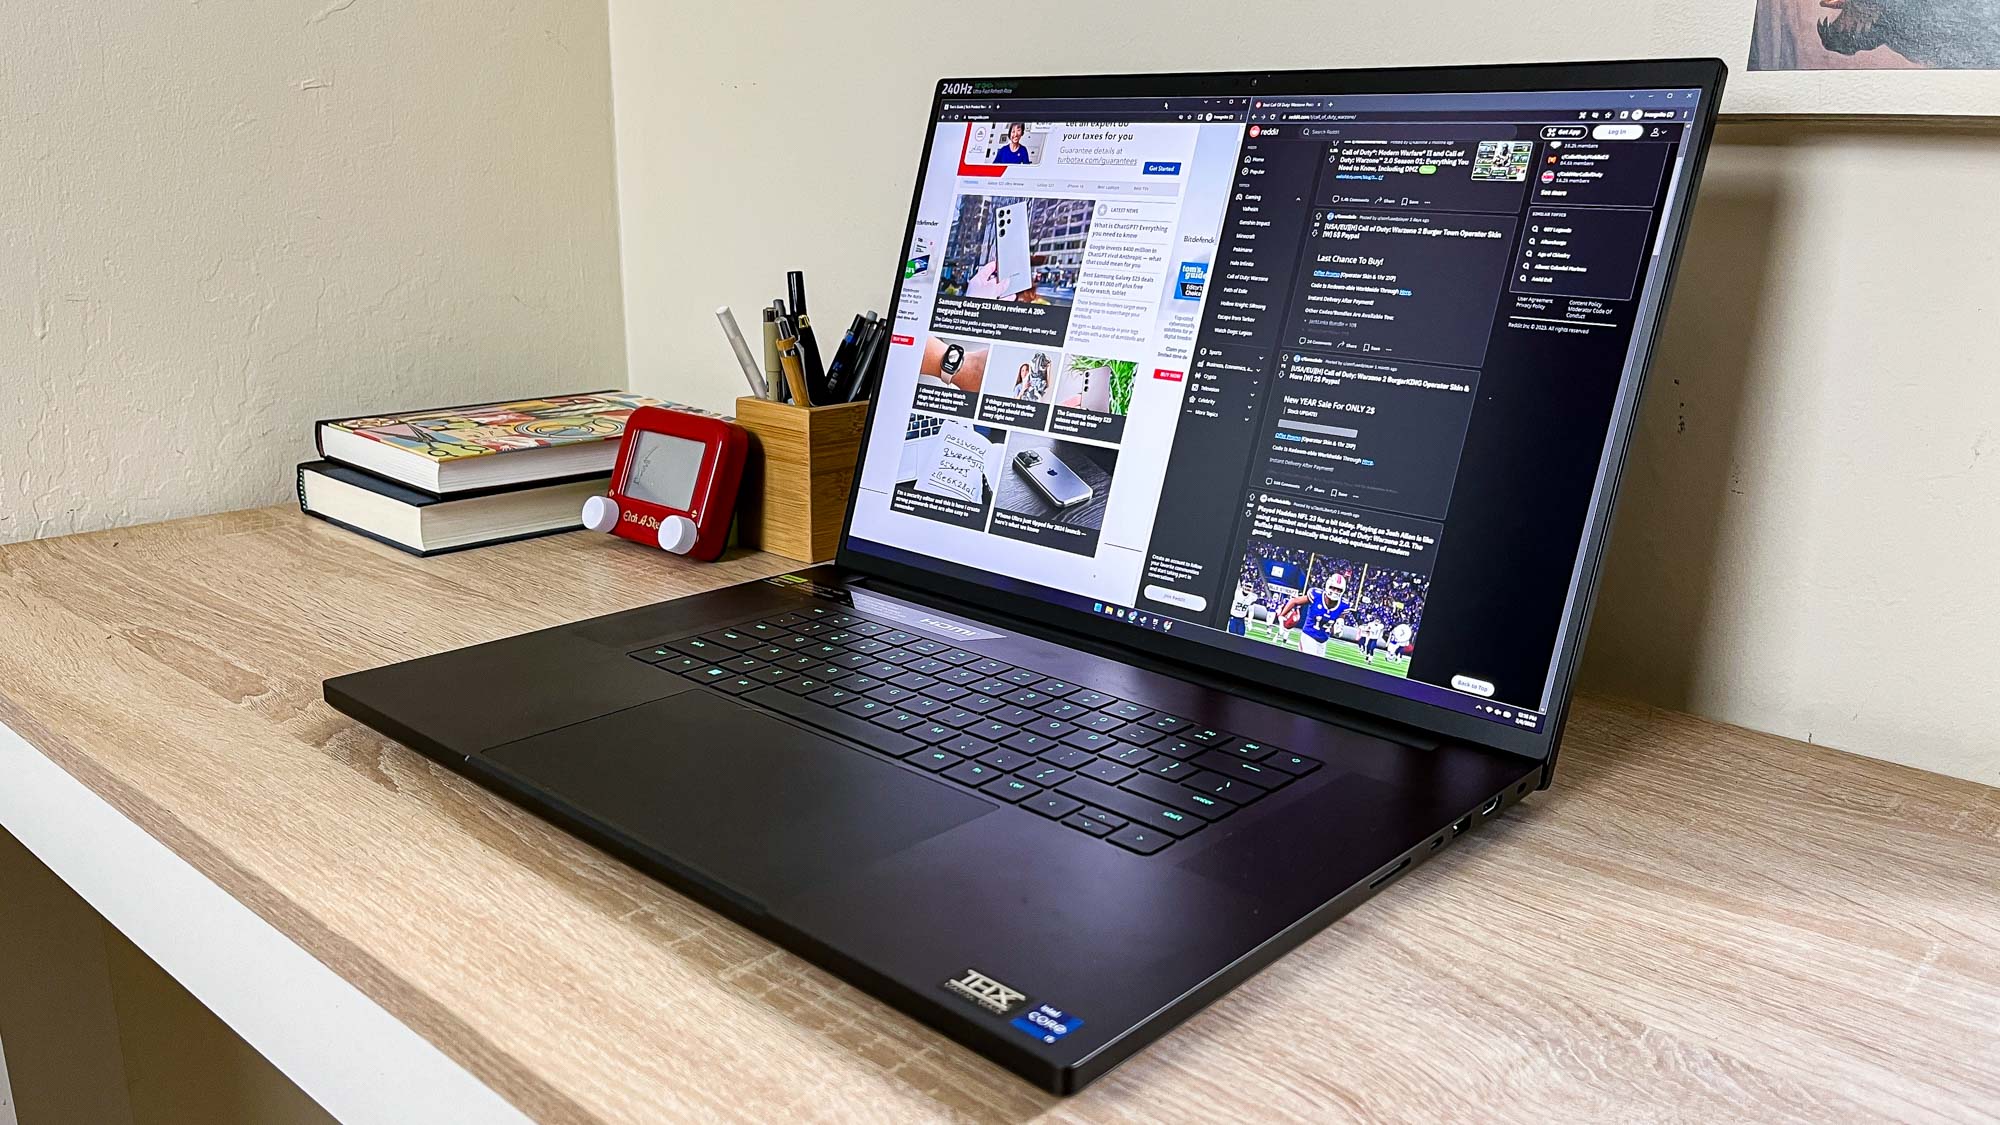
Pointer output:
x,y
742,350
788,355
809,358
868,366
781,389
864,344
872,378
838,372
808,349
774,373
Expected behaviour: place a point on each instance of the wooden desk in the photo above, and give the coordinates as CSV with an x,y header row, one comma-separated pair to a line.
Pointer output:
x,y
1698,923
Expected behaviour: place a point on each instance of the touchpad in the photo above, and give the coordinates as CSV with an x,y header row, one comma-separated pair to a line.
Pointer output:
x,y
738,799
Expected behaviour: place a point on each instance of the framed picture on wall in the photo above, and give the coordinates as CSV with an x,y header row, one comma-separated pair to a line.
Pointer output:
x,y
1839,58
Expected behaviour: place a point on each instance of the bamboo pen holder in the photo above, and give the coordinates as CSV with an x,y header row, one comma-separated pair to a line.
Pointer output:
x,y
796,481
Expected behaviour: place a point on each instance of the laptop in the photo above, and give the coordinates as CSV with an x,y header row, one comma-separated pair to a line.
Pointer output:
x,y
1372,343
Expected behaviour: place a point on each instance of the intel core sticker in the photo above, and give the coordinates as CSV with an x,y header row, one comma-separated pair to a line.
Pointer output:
x,y
988,993
1046,1023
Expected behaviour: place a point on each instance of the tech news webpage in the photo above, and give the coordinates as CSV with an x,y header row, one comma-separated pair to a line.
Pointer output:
x,y
1054,288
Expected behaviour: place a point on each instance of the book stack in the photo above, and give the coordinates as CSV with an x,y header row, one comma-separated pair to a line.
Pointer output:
x,y
429,481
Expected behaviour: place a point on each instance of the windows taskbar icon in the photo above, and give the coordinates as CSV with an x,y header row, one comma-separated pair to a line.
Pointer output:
x,y
1132,615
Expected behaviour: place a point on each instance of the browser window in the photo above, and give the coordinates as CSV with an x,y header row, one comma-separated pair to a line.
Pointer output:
x,y
1326,380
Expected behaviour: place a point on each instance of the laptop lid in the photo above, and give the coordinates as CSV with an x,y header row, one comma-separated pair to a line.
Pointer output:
x,y
1323,380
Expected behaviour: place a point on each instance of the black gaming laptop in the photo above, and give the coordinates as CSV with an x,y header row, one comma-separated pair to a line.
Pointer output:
x,y
1226,532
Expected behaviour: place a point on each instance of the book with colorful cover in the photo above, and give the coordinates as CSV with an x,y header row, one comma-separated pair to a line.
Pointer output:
x,y
489,445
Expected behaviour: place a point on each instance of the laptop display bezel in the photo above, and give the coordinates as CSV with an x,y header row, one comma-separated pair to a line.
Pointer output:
x,y
1211,662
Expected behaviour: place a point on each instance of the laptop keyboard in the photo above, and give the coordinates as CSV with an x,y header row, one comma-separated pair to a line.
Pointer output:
x,y
1107,767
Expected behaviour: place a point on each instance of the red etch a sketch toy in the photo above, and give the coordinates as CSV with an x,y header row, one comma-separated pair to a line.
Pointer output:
x,y
675,483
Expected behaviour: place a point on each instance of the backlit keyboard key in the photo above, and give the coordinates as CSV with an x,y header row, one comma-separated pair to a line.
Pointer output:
x,y
1010,788
1027,742
1045,775
971,773
1291,763
1145,841
1055,806
1131,755
966,746
1105,770
897,719
1006,761
1176,796
1092,741
1228,765
1227,788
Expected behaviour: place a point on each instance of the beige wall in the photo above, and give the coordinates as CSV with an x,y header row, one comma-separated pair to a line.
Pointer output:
x,y
1809,535
1812,522
220,220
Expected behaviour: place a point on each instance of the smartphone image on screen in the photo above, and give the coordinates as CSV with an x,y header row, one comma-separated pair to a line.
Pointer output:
x,y
1052,478
1088,389
1010,233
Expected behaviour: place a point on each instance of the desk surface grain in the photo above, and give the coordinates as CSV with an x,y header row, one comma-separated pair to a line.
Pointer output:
x,y
1698,923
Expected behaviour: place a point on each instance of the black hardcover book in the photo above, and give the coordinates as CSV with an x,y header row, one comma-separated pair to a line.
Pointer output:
x,y
425,524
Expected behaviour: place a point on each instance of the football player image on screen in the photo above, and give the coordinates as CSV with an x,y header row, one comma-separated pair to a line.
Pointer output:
x,y
1371,641
1239,611
1317,612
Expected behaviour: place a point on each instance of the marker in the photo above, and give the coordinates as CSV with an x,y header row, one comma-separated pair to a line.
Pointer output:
x,y
743,357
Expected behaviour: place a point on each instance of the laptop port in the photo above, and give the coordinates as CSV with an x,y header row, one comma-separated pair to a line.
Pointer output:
x,y
1489,807
1459,828
1390,874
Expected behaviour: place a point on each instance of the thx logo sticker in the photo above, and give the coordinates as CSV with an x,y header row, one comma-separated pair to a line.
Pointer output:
x,y
986,992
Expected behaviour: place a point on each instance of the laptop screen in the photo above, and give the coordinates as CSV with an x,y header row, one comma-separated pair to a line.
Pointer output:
x,y
1327,380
